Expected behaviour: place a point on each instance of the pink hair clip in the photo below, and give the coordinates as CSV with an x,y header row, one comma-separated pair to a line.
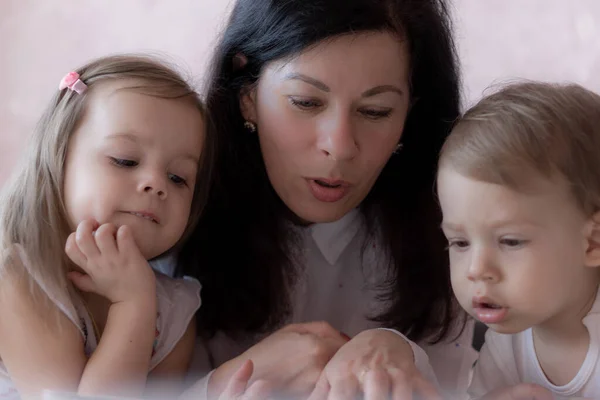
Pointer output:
x,y
72,81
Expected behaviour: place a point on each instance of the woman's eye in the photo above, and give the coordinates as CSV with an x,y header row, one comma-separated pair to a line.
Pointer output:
x,y
304,104
376,114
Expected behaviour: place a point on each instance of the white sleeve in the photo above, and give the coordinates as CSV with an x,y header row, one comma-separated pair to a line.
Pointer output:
x,y
420,357
496,367
177,303
199,373
199,390
210,354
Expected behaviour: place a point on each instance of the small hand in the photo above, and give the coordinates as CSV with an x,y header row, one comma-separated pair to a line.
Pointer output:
x,y
114,266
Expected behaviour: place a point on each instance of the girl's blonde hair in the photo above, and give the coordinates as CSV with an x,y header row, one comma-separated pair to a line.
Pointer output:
x,y
531,129
32,208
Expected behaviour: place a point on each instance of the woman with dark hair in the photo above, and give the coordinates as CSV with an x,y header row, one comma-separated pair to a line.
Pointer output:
x,y
330,115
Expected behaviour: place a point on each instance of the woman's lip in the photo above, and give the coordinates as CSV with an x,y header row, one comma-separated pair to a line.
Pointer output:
x,y
331,182
327,194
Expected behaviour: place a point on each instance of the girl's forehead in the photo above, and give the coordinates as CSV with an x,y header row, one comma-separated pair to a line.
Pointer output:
x,y
121,115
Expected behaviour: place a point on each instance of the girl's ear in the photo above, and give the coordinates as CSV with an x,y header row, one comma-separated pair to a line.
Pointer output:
x,y
592,241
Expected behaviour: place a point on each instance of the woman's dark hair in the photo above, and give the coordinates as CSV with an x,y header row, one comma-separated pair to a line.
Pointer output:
x,y
241,250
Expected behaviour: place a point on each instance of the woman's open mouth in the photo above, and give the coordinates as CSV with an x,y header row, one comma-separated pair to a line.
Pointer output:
x,y
330,184
328,190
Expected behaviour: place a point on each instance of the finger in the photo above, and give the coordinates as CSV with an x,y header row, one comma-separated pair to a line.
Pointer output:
x,y
506,393
346,388
73,252
237,384
527,391
259,390
125,240
323,330
319,328
321,390
105,239
401,388
376,384
85,239
335,342
82,281
425,389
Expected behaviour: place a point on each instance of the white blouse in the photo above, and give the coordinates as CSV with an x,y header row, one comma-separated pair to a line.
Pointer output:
x,y
339,286
177,302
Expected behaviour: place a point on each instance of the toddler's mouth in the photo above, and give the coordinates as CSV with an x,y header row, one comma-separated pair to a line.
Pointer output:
x,y
487,311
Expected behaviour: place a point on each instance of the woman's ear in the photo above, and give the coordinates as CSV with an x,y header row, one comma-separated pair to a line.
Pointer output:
x,y
248,93
592,251
239,61
248,103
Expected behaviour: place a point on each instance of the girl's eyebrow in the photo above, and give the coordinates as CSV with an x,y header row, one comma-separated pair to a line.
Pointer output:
x,y
130,136
191,157
124,135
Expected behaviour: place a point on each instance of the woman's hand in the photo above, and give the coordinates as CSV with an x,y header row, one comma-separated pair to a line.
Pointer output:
x,y
523,391
290,360
375,364
239,388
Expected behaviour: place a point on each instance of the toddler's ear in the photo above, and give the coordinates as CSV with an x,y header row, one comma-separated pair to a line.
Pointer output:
x,y
592,246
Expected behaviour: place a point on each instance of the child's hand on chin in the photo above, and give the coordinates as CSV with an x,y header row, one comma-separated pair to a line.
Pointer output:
x,y
113,264
523,391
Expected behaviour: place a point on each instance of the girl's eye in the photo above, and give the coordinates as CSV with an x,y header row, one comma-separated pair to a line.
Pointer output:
x,y
179,181
120,162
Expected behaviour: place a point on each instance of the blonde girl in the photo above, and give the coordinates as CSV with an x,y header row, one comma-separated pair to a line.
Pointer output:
x,y
116,175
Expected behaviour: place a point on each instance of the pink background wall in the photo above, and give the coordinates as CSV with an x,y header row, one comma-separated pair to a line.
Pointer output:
x,y
41,40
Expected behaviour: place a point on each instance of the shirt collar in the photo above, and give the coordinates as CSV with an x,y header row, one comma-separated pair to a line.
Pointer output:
x,y
332,238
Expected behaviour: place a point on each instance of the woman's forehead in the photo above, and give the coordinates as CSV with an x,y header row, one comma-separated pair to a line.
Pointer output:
x,y
377,58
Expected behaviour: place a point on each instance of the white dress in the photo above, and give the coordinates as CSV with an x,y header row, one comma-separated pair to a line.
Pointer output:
x,y
338,287
177,302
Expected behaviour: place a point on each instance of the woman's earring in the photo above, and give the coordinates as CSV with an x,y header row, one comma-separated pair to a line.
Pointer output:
x,y
398,148
251,126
